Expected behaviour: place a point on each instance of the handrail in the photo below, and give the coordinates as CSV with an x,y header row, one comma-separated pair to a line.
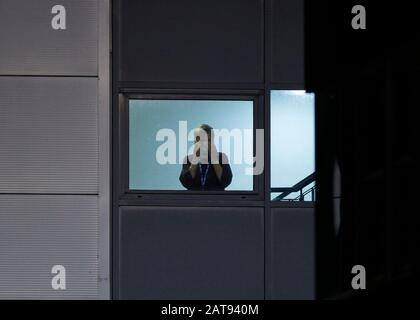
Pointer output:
x,y
302,196
296,188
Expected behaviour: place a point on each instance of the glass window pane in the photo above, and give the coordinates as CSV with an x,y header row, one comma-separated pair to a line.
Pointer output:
x,y
156,124
292,143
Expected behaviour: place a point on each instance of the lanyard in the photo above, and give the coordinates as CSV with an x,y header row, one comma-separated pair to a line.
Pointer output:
x,y
203,178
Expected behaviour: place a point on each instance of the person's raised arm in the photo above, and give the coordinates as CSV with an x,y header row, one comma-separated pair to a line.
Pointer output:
x,y
189,169
187,174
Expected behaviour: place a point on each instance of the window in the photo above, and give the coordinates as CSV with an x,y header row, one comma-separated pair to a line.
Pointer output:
x,y
292,146
161,135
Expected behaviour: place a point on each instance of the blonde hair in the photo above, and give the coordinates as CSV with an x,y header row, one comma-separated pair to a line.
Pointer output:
x,y
207,129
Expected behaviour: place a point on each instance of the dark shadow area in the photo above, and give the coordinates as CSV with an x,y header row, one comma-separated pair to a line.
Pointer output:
x,y
366,83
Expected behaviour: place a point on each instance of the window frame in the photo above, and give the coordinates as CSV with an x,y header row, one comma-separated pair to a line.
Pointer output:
x,y
127,194
276,189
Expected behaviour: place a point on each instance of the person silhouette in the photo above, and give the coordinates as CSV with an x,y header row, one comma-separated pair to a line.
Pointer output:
x,y
206,168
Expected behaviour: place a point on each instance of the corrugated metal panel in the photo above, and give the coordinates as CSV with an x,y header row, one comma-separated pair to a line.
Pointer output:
x,y
38,232
30,46
48,135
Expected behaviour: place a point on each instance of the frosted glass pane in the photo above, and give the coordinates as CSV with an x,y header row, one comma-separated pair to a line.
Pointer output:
x,y
147,117
292,137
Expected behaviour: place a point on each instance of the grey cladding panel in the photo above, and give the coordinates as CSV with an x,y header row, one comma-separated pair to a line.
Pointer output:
x,y
48,135
191,253
191,40
38,232
292,253
288,43
30,46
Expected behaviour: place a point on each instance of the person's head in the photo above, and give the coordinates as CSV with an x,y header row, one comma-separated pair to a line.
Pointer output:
x,y
204,131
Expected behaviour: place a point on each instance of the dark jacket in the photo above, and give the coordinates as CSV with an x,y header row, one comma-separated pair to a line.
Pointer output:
x,y
211,182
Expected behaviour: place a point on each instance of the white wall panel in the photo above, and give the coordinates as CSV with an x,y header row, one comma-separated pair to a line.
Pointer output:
x,y
38,232
54,149
48,135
